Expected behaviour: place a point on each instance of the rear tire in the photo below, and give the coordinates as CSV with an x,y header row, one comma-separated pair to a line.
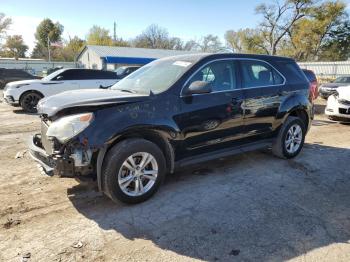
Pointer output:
x,y
290,139
29,101
133,171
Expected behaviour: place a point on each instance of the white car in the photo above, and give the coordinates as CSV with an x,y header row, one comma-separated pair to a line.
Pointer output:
x,y
27,93
338,105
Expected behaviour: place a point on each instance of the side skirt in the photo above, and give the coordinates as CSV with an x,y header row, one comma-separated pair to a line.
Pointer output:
x,y
224,153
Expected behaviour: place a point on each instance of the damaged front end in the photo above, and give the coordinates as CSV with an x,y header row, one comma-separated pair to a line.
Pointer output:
x,y
57,153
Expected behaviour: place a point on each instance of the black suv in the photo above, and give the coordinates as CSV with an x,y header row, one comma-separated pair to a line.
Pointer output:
x,y
10,75
170,113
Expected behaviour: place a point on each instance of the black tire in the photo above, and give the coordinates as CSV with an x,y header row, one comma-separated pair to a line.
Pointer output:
x,y
279,147
113,164
29,101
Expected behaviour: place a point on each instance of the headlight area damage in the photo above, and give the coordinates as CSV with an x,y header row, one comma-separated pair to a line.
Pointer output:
x,y
57,150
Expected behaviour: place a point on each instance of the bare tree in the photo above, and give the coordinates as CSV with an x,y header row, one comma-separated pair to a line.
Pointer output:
x,y
153,37
5,23
279,18
210,43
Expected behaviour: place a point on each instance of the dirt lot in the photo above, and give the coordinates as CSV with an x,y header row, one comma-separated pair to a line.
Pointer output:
x,y
251,207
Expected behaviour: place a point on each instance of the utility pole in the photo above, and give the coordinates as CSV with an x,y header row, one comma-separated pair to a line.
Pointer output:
x,y
115,32
48,47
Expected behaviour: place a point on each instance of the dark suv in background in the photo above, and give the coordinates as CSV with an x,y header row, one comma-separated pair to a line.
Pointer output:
x,y
171,113
10,75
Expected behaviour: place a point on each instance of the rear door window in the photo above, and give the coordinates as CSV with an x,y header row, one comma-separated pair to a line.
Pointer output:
x,y
259,74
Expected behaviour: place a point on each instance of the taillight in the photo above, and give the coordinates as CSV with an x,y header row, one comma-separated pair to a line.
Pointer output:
x,y
313,90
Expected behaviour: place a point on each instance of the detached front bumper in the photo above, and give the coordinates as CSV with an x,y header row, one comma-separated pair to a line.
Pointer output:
x,y
50,164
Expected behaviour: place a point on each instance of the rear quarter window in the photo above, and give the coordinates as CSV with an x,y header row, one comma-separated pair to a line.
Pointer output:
x,y
292,72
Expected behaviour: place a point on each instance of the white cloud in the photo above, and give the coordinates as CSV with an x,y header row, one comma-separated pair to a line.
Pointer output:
x,y
25,26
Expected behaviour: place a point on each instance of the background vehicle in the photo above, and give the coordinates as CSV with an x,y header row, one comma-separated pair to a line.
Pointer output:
x,y
330,88
124,71
10,75
314,83
28,93
170,113
338,105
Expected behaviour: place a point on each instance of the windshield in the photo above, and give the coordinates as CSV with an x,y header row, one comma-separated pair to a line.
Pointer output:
x,y
53,75
342,80
156,76
120,71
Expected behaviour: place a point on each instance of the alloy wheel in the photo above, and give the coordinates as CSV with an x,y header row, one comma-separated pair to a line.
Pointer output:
x,y
138,174
293,139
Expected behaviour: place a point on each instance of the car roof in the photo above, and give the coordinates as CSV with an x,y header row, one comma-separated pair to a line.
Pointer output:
x,y
200,56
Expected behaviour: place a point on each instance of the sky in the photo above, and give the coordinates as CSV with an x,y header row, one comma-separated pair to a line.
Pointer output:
x,y
187,19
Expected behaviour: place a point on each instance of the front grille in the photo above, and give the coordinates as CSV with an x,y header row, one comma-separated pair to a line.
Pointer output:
x,y
47,144
344,111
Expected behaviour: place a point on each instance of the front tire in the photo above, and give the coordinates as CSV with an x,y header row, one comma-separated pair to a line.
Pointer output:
x,y
290,139
29,101
133,171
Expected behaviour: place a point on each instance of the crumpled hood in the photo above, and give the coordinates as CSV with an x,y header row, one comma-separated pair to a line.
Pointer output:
x,y
344,92
79,98
333,85
23,82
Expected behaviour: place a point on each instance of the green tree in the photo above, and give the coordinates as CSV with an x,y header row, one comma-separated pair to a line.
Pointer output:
x,y
310,35
14,47
246,41
48,30
337,45
99,36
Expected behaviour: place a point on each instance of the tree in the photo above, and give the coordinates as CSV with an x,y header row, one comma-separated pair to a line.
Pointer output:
x,y
70,50
153,36
99,36
48,30
279,18
191,45
337,45
210,43
310,34
5,23
246,41
14,47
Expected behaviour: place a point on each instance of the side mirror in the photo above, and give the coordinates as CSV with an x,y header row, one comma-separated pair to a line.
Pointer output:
x,y
199,87
59,78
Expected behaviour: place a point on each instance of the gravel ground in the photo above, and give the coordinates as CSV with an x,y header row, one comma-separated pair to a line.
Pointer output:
x,y
250,207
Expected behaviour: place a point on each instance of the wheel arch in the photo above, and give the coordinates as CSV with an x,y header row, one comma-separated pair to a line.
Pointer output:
x,y
296,105
30,91
158,137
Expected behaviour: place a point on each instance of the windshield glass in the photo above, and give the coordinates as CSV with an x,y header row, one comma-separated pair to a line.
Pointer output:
x,y
53,75
342,80
120,71
156,76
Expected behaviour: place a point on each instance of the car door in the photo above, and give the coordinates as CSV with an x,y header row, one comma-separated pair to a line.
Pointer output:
x,y
104,79
68,80
263,88
212,121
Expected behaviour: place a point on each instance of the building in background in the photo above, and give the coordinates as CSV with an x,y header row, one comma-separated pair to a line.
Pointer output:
x,y
112,57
